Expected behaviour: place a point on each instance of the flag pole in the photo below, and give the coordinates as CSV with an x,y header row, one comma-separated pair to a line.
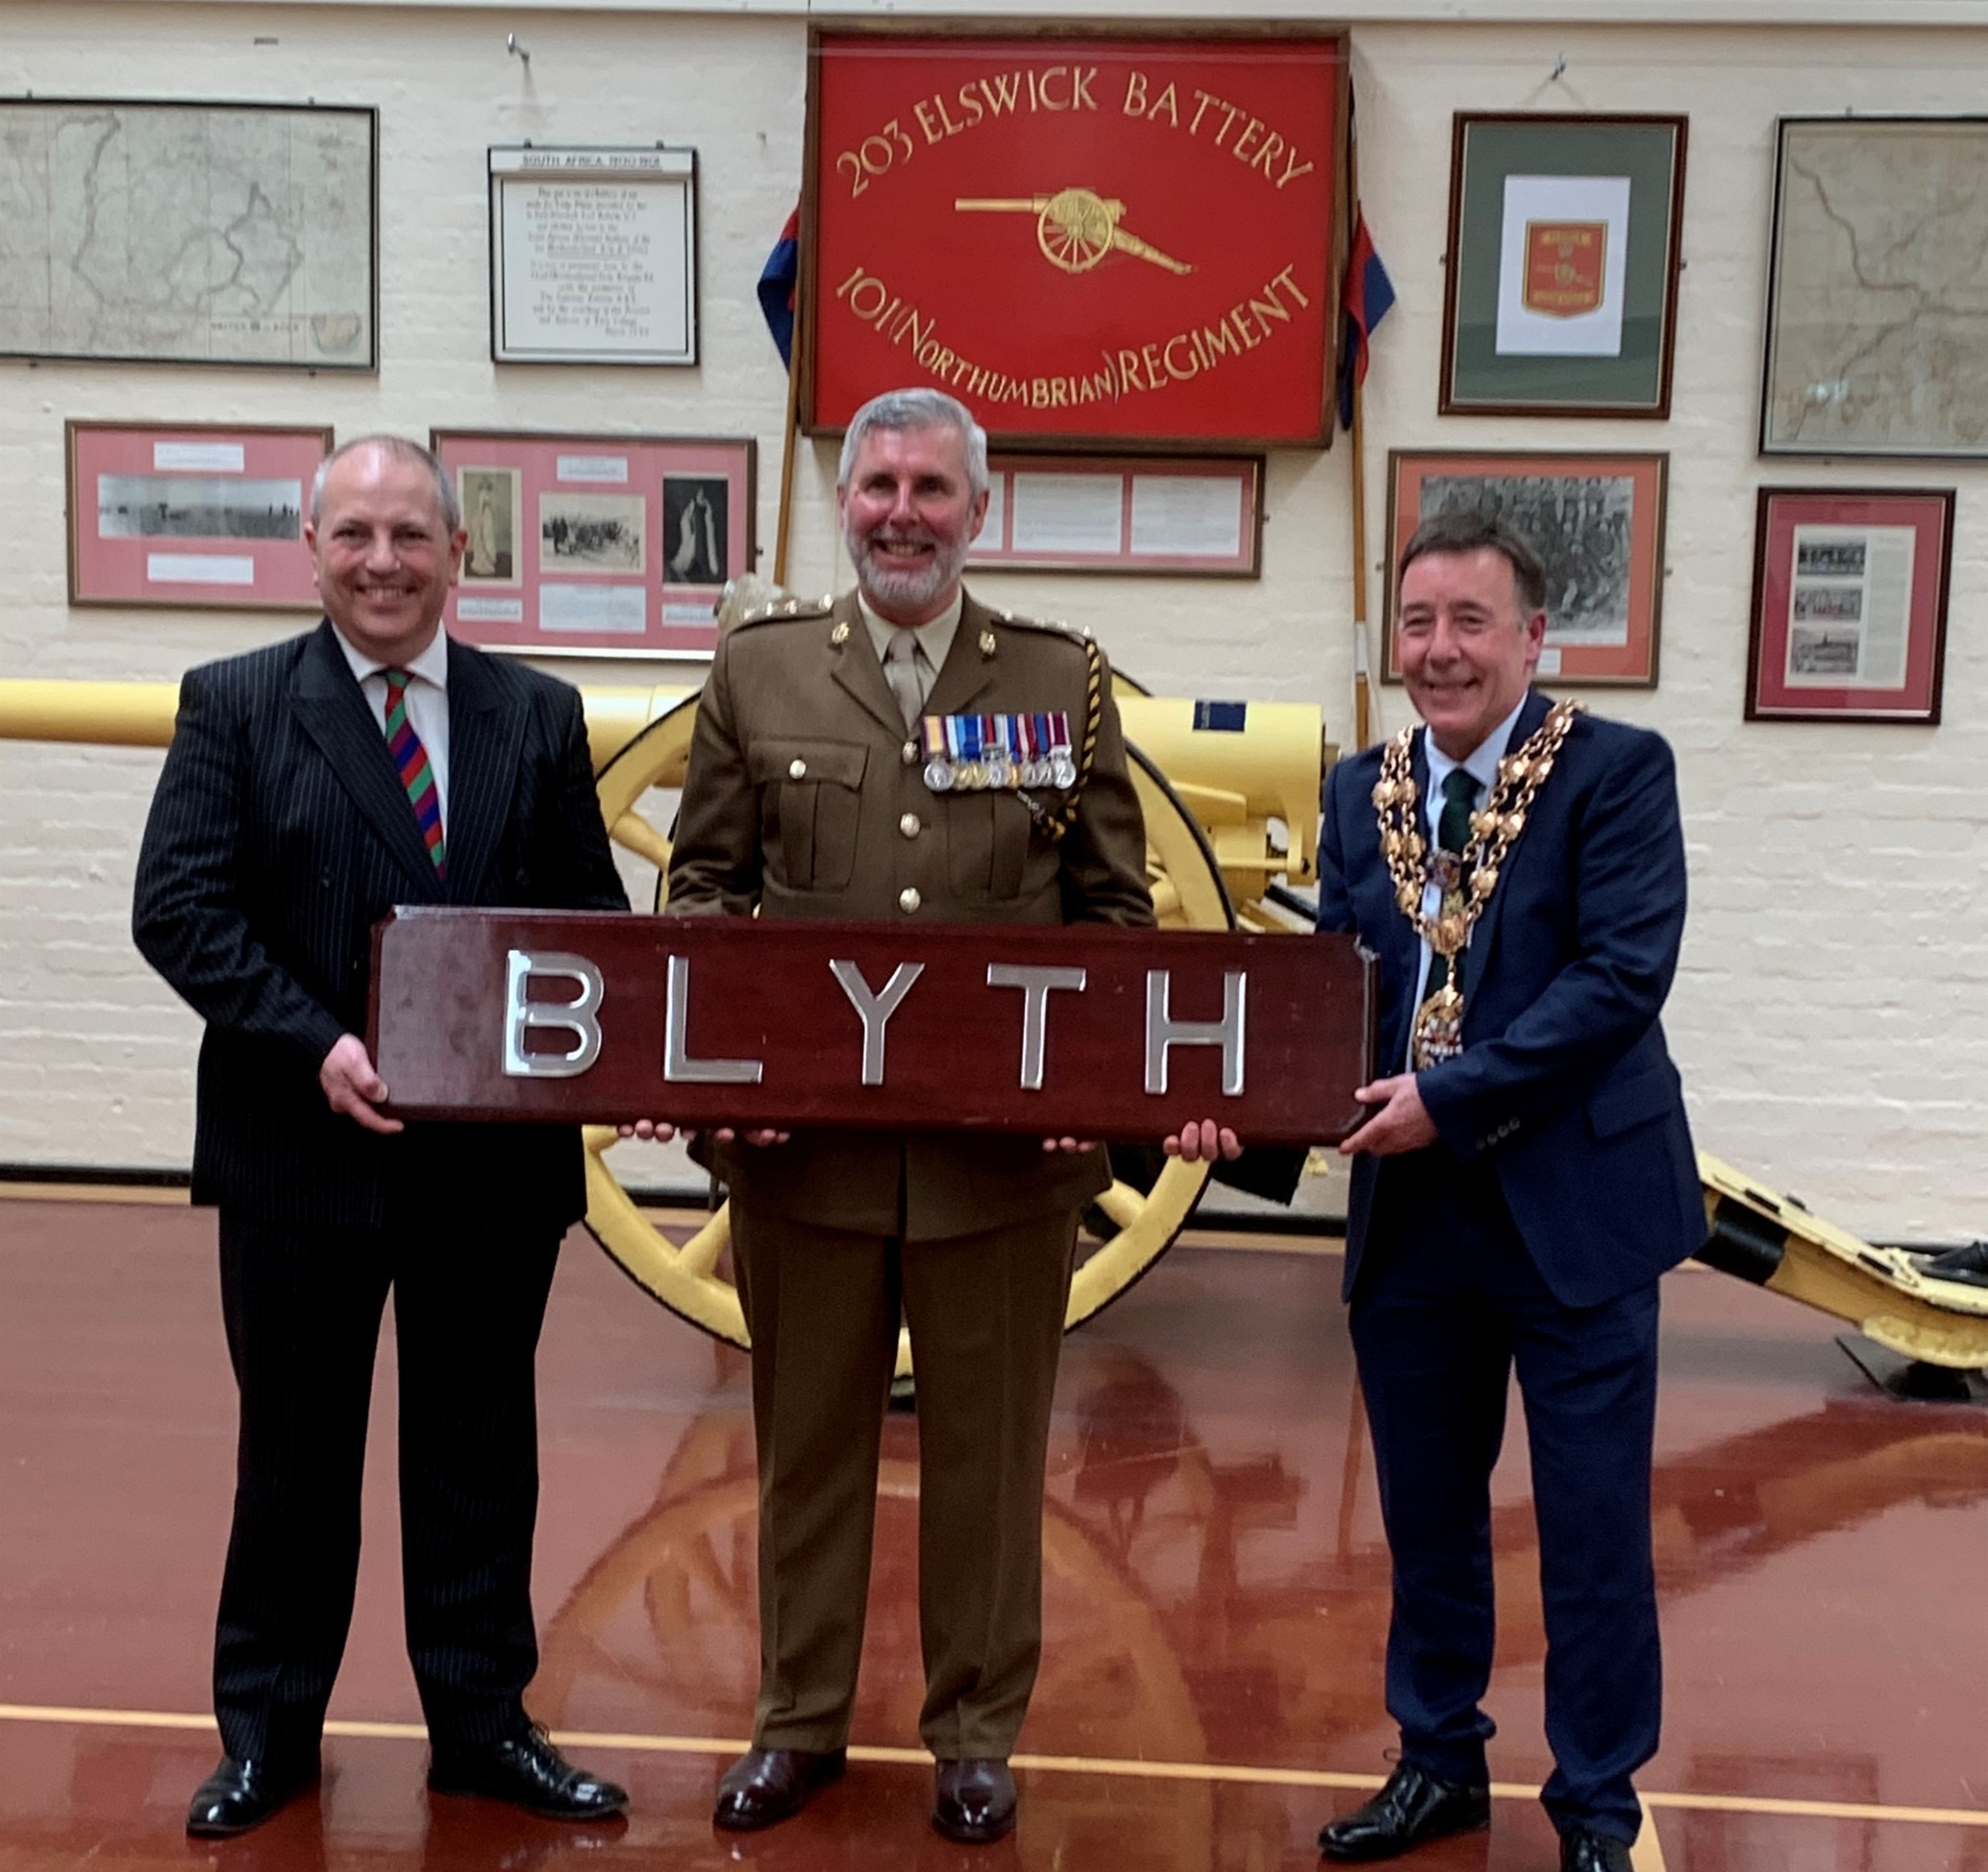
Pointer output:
x,y
790,445
1357,467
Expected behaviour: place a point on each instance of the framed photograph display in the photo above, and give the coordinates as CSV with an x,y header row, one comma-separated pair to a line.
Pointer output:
x,y
190,234
593,256
1850,603
1561,296
1089,234
1874,303
207,519
1596,522
1132,513
598,545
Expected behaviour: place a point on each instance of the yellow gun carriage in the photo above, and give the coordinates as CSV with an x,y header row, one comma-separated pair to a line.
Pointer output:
x,y
1231,818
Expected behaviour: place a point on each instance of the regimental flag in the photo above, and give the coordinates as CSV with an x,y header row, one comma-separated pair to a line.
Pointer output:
x,y
1366,299
776,285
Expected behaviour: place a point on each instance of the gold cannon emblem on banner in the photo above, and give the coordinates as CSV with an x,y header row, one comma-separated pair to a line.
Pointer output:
x,y
1074,227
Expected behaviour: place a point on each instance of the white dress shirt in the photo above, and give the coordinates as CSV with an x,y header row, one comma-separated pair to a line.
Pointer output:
x,y
428,703
1482,764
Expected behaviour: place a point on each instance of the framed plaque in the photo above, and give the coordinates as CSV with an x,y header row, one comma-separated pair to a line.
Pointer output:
x,y
189,233
1183,515
598,545
191,516
1085,235
1596,522
1560,297
1850,604
593,256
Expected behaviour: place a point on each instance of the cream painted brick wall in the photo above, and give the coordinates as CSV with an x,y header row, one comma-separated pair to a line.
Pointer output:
x,y
1830,1018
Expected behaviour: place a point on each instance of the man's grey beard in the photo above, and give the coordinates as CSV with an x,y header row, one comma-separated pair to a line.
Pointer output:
x,y
906,590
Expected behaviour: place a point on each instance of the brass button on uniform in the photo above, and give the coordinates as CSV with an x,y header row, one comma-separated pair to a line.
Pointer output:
x,y
908,754
908,825
797,769
908,899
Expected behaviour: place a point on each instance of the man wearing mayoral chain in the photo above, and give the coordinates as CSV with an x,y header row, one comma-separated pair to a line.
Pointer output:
x,y
1525,1177
904,754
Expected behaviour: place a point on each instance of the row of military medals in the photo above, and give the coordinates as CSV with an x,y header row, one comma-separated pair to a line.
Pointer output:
x,y
986,753
1465,879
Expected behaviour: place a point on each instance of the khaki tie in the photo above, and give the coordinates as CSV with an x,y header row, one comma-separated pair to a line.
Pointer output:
x,y
901,672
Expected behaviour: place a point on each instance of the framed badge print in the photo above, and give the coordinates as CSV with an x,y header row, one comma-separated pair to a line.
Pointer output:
x,y
1561,290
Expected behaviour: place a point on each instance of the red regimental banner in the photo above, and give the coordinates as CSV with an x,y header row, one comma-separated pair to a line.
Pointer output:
x,y
1098,238
1566,265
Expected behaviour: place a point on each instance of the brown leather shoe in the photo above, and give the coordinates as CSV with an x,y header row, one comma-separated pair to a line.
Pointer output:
x,y
768,1785
974,1801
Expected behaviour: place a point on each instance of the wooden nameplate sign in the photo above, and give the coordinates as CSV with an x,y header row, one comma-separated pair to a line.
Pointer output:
x,y
1086,1030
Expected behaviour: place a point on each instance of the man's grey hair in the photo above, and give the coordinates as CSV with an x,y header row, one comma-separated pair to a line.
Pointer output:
x,y
397,448
918,409
1469,532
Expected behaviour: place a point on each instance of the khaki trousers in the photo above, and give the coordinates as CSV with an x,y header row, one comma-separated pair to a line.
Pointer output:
x,y
986,1319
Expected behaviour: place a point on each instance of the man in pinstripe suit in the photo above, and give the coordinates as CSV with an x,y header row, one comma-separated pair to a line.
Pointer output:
x,y
309,787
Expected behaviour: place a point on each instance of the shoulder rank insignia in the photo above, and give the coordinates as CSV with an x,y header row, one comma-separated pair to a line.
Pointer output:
x,y
985,752
787,611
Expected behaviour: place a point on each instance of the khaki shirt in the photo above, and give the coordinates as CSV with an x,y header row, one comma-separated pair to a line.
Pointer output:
x,y
806,798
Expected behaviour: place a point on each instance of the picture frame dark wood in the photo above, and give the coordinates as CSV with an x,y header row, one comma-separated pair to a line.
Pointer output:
x,y
1565,244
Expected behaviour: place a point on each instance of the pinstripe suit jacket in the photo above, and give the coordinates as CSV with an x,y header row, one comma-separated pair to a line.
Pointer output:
x,y
278,834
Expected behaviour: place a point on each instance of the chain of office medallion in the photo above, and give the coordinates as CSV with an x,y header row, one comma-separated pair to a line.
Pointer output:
x,y
1492,827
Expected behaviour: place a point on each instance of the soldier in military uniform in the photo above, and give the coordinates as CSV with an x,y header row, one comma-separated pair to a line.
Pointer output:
x,y
832,775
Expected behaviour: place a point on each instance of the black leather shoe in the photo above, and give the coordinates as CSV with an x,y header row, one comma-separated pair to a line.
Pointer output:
x,y
527,1772
1584,1849
242,1794
768,1785
1412,1809
974,1801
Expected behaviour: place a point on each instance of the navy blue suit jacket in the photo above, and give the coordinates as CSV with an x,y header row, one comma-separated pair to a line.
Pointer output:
x,y
1564,1084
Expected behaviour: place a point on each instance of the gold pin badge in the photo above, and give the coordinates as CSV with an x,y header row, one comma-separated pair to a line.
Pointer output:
x,y
840,634
986,643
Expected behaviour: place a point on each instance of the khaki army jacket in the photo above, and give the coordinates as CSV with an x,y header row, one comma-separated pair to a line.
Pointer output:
x,y
806,798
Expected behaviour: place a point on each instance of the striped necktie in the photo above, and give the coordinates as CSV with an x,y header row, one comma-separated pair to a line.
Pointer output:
x,y
415,774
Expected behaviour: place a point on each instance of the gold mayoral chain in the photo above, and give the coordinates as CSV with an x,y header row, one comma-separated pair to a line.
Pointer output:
x,y
1438,1030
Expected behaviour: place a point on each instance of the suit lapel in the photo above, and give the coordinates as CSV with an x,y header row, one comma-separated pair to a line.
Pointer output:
x,y
331,708
969,671
486,734
1486,935
853,665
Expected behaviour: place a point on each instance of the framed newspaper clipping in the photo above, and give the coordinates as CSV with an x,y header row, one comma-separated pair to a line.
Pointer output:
x,y
1850,604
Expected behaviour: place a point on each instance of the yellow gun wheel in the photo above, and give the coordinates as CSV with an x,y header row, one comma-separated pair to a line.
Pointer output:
x,y
690,1278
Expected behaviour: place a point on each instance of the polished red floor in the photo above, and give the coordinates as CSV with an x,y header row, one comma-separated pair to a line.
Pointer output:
x,y
1217,1592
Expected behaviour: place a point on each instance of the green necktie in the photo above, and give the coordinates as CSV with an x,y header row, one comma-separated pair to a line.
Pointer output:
x,y
1452,835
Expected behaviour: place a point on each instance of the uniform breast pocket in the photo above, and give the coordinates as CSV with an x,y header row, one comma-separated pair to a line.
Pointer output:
x,y
986,844
810,797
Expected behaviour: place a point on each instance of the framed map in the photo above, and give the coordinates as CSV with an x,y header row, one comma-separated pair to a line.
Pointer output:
x,y
1879,289
197,233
